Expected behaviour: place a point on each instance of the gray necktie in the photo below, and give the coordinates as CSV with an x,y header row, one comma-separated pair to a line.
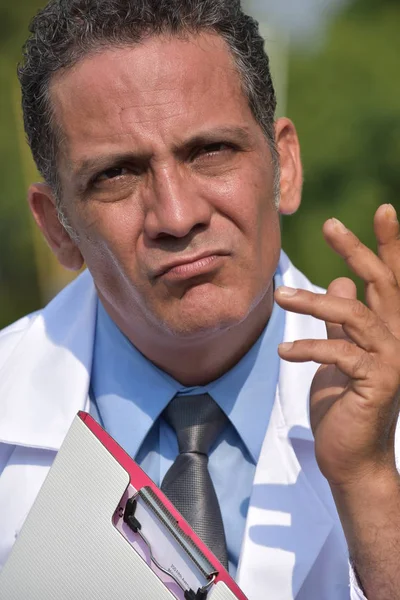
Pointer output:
x,y
197,422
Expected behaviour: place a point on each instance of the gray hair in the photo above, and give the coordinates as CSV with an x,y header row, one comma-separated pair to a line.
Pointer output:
x,y
65,31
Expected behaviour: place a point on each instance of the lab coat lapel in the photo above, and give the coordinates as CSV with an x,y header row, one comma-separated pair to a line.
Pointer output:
x,y
287,523
45,381
20,483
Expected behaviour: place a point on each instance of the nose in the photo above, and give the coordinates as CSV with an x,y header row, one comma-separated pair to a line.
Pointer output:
x,y
176,207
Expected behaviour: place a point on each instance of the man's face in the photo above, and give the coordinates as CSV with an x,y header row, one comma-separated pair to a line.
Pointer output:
x,y
168,182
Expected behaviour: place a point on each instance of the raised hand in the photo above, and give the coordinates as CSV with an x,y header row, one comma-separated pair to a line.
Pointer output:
x,y
355,394
355,398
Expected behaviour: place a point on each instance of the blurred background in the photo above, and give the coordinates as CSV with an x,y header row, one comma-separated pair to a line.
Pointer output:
x,y
336,69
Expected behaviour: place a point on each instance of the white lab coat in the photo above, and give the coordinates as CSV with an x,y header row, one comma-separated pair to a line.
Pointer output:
x,y
293,544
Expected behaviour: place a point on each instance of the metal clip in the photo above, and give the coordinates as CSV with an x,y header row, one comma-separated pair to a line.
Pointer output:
x,y
133,523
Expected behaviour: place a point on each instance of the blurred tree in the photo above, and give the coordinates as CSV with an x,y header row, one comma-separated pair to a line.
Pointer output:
x,y
19,291
344,99
29,274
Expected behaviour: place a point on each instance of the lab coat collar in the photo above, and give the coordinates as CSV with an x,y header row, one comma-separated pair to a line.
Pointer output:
x,y
45,380
287,523
37,409
295,378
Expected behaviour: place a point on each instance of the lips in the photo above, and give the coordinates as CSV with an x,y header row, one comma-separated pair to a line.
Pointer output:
x,y
190,266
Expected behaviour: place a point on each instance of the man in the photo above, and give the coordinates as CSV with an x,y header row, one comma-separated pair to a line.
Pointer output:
x,y
152,123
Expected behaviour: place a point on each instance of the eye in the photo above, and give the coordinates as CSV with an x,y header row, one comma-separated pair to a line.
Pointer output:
x,y
213,155
112,173
215,148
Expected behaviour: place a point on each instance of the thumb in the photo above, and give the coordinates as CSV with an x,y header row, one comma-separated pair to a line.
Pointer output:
x,y
343,287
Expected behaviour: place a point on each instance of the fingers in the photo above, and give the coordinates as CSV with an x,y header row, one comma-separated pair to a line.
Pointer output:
x,y
361,260
359,322
349,358
387,232
382,290
341,288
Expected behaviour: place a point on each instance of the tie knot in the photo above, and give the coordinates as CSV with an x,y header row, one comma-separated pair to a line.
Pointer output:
x,y
196,420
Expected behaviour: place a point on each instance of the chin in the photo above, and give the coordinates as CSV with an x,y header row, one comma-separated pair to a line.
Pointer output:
x,y
200,320
189,329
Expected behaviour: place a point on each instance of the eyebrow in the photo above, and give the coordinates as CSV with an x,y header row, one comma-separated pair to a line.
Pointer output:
x,y
90,166
238,134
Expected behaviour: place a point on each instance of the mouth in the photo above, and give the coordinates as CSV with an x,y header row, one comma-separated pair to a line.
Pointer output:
x,y
192,266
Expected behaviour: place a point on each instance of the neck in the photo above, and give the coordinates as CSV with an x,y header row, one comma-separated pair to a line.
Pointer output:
x,y
197,363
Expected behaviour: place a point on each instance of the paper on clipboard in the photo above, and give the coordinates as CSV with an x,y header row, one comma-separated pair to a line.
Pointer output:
x,y
74,543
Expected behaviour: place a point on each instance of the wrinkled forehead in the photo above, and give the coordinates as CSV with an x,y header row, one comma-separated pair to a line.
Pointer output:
x,y
163,84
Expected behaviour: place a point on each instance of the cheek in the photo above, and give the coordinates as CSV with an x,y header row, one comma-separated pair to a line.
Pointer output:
x,y
261,228
247,194
251,207
109,236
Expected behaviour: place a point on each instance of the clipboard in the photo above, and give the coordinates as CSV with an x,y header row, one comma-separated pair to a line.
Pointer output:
x,y
100,529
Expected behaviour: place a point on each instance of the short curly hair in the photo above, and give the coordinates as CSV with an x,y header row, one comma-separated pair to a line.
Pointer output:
x,y
65,31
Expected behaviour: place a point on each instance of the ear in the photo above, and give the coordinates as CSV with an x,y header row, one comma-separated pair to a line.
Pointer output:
x,y
43,207
291,171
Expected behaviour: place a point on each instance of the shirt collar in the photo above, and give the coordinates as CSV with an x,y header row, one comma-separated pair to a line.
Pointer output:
x,y
247,392
131,392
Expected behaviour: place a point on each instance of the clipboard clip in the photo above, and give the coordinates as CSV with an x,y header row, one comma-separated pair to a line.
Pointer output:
x,y
203,564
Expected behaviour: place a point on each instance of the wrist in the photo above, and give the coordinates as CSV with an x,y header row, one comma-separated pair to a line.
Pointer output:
x,y
381,479
369,510
370,497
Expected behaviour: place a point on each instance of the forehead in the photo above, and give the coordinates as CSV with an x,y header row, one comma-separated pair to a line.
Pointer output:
x,y
163,88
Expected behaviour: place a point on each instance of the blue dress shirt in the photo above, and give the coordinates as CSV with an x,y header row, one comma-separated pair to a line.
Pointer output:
x,y
129,393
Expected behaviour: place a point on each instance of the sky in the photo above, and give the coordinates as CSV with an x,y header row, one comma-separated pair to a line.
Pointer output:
x,y
303,20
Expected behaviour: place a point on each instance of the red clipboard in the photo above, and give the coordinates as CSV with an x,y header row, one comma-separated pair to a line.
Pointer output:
x,y
139,480
100,529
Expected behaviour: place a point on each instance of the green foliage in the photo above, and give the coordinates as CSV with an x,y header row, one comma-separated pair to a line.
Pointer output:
x,y
18,281
344,100
19,286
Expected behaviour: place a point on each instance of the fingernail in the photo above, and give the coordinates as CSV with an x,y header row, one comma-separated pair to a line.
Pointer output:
x,y
287,292
286,346
391,212
340,228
